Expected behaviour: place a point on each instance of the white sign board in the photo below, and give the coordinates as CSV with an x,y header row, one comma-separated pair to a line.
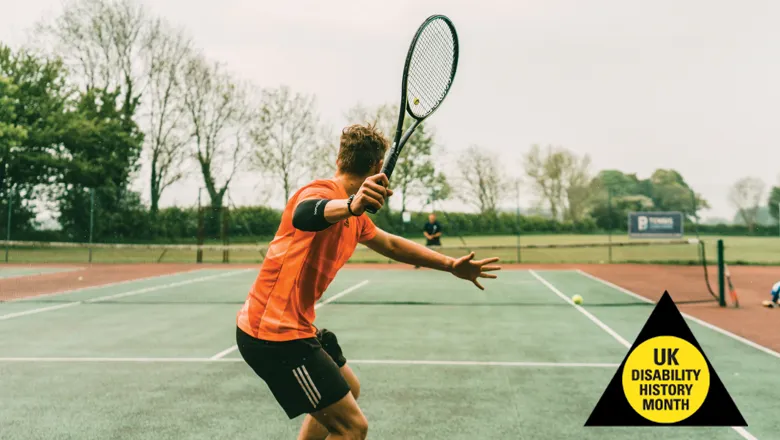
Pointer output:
x,y
406,216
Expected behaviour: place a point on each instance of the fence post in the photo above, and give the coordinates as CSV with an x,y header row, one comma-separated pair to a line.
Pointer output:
x,y
201,231
8,223
225,251
517,219
609,226
721,275
91,220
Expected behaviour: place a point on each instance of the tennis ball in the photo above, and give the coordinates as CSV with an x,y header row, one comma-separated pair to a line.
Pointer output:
x,y
416,101
577,299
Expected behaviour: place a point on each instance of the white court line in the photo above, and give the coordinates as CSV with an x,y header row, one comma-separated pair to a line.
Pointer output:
x,y
595,320
35,274
766,350
119,295
741,431
488,363
150,360
233,348
79,289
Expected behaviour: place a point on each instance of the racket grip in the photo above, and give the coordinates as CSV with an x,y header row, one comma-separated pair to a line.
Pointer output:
x,y
371,210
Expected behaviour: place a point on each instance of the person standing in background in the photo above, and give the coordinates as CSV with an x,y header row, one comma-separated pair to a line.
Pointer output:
x,y
432,231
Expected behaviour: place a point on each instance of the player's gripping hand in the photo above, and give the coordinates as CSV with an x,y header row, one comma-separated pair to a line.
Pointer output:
x,y
372,194
468,269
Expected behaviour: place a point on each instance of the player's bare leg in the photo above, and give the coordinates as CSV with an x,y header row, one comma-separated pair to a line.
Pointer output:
x,y
343,420
312,429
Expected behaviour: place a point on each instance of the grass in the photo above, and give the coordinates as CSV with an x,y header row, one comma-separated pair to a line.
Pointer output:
x,y
739,250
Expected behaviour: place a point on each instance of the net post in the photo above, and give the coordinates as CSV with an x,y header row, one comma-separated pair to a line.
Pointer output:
x,y
10,200
91,220
721,275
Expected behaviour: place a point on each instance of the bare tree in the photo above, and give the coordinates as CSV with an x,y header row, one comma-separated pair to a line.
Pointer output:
x,y
218,112
102,40
482,179
746,196
168,130
383,117
321,163
284,137
576,179
560,178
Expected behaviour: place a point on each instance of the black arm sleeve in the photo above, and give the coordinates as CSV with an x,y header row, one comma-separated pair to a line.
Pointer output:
x,y
310,215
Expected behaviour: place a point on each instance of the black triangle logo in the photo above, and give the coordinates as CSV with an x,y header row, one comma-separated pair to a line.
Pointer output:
x,y
666,380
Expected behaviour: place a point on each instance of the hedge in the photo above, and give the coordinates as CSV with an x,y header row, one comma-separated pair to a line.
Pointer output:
x,y
250,223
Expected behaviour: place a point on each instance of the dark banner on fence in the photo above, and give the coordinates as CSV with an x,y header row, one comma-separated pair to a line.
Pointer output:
x,y
655,224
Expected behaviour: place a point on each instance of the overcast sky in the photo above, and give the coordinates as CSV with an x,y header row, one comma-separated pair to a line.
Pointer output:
x,y
692,85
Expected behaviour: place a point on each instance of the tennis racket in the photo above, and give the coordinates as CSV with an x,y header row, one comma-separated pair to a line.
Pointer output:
x,y
429,71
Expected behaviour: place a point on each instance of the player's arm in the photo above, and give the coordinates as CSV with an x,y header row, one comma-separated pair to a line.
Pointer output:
x,y
317,214
409,252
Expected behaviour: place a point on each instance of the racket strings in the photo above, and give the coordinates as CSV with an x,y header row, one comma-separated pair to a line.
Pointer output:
x,y
431,68
432,62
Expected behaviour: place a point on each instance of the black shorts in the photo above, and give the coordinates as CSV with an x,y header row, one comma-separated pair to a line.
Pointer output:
x,y
303,375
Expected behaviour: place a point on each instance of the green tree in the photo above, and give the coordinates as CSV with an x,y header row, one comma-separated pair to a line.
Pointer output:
x,y
774,202
439,189
615,216
33,104
103,150
670,192
619,183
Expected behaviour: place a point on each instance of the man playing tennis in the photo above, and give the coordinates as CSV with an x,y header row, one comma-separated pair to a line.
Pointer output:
x,y
320,229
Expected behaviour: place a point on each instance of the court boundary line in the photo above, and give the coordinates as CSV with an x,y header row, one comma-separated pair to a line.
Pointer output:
x,y
115,283
699,321
233,348
37,274
119,295
738,429
401,362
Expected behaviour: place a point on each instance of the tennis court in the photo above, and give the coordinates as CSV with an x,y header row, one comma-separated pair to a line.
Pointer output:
x,y
20,271
438,359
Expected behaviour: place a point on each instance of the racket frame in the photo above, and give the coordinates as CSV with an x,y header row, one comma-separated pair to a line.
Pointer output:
x,y
400,140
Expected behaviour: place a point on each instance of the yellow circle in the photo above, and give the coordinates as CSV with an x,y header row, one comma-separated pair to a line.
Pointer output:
x,y
416,101
666,379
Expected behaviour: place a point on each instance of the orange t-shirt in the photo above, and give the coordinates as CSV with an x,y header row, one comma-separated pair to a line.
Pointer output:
x,y
298,267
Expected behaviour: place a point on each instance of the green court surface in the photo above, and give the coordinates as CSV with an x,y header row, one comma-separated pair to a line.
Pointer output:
x,y
24,271
437,359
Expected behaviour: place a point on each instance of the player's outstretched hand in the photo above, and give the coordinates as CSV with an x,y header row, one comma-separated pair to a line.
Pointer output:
x,y
372,193
468,269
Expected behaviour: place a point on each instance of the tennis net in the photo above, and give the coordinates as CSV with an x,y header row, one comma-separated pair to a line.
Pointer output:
x,y
698,281
681,252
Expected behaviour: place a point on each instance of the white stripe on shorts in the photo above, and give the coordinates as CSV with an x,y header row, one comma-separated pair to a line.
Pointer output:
x,y
309,394
311,383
